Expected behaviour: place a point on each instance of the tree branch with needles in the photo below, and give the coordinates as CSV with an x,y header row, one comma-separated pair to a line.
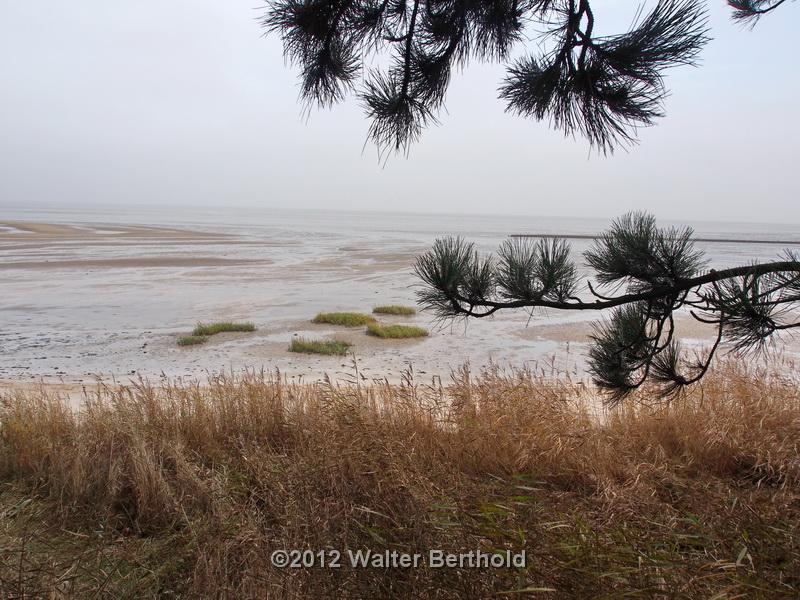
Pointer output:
x,y
601,87
659,272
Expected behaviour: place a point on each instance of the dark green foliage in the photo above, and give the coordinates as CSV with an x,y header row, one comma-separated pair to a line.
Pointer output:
x,y
659,272
222,327
530,270
752,309
192,340
620,348
517,263
346,319
602,87
750,11
396,331
447,269
636,252
394,310
329,347
479,282
665,369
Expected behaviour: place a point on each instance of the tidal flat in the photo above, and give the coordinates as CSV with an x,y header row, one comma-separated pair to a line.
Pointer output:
x,y
106,294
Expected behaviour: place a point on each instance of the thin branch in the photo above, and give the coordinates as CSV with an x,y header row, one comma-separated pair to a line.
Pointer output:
x,y
655,293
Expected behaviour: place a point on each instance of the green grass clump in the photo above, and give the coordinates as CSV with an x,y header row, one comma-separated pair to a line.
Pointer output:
x,y
220,327
192,340
394,310
396,331
348,319
330,347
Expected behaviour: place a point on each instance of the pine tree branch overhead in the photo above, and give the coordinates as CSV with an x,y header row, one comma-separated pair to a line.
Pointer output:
x,y
600,87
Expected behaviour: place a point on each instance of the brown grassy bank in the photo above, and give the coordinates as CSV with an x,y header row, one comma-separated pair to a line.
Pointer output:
x,y
186,490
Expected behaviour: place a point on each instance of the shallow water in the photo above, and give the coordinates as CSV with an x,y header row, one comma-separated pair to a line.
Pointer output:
x,y
109,295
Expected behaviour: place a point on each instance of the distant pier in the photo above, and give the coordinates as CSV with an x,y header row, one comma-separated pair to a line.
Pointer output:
x,y
586,236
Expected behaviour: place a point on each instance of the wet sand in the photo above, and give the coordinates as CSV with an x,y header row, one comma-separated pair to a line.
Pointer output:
x,y
89,301
686,327
31,230
130,263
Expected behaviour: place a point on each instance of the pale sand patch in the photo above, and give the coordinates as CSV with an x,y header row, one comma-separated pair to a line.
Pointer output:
x,y
685,327
18,243
27,236
44,229
36,230
133,262
73,393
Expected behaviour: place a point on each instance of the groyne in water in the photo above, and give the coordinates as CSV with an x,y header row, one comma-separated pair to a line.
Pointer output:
x,y
585,236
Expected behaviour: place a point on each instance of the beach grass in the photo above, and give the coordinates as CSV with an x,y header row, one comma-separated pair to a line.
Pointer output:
x,y
192,340
347,319
394,310
396,331
205,329
330,347
186,490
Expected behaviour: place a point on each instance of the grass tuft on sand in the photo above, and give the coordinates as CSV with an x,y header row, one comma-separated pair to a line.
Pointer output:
x,y
331,347
192,340
347,319
395,310
221,327
185,490
396,332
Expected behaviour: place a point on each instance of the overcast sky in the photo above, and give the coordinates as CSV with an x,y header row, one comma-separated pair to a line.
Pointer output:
x,y
184,102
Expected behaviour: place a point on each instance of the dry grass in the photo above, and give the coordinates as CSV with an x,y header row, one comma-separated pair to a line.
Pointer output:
x,y
186,489
347,319
330,347
395,310
396,331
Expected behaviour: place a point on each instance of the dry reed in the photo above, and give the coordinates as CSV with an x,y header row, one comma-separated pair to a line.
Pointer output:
x,y
186,489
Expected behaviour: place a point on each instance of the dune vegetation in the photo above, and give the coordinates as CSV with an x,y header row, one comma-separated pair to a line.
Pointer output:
x,y
396,331
182,489
394,310
192,340
306,346
221,327
346,319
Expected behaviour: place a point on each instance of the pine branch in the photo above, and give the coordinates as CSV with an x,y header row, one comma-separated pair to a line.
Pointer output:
x,y
661,272
750,11
602,88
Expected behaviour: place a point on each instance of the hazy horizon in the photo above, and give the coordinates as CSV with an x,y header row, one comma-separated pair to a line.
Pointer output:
x,y
183,209
186,104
